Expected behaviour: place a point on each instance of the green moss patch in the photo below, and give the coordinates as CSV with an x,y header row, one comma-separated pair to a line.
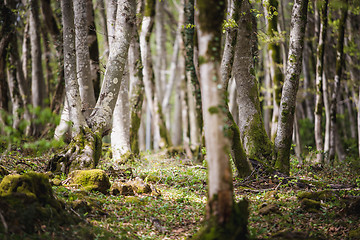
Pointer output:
x,y
91,180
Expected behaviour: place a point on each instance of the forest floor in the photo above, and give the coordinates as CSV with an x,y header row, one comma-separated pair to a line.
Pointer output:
x,y
280,207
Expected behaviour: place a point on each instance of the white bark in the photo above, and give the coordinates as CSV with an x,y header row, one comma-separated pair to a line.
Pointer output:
x,y
111,7
63,126
71,83
101,116
82,57
120,135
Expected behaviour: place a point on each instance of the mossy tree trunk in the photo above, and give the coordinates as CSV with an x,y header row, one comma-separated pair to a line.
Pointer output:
x,y
319,82
271,13
222,219
253,135
194,97
337,78
238,154
136,91
160,133
85,148
291,84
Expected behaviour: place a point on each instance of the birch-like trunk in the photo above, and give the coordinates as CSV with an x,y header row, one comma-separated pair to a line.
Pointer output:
x,y
111,7
326,102
291,84
319,82
120,135
86,86
256,142
85,149
337,78
220,193
222,213
37,76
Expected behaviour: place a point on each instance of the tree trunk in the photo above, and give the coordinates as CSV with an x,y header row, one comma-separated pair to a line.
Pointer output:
x,y
93,49
37,76
222,213
337,79
291,84
253,135
85,149
194,93
271,13
319,83
242,164
120,135
136,91
86,86
111,6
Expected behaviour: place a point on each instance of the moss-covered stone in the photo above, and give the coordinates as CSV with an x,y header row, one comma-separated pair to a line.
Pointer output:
x,y
310,205
120,188
317,196
27,204
271,208
91,180
139,186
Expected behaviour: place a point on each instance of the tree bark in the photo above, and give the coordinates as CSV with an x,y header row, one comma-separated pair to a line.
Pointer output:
x,y
86,86
194,93
271,13
221,214
136,91
291,84
253,135
319,83
241,162
337,79
37,76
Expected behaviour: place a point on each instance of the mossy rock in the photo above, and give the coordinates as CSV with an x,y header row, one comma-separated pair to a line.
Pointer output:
x,y
27,203
317,196
81,206
139,186
91,180
119,188
310,205
354,234
271,208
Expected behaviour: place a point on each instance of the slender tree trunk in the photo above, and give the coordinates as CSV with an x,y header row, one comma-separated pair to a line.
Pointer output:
x,y
253,135
160,60
307,84
37,76
177,124
319,82
54,30
291,85
326,89
136,91
120,135
86,86
93,49
111,7
337,79
271,13
221,211
194,97
242,164
100,4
